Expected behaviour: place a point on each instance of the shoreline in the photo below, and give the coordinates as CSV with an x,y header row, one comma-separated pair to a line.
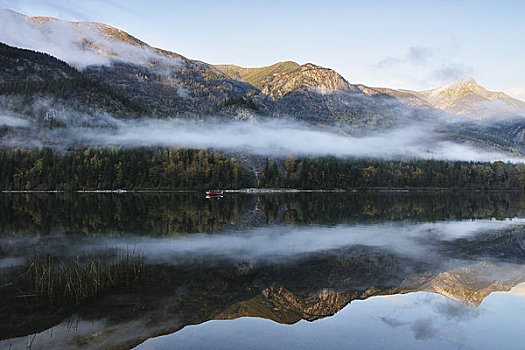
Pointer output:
x,y
280,190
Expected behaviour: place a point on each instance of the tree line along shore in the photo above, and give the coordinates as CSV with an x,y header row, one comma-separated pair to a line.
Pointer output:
x,y
177,169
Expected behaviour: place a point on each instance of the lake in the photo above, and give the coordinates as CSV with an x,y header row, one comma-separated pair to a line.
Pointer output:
x,y
262,271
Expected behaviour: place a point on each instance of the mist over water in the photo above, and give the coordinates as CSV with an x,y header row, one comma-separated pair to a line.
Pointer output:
x,y
270,244
275,243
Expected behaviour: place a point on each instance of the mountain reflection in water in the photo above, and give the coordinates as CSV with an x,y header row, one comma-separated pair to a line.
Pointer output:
x,y
409,321
284,258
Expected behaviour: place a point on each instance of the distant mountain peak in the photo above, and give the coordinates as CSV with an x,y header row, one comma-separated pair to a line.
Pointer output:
x,y
464,85
467,97
467,81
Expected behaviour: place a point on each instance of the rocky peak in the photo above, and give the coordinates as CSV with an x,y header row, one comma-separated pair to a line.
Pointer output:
x,y
460,87
282,78
467,97
309,77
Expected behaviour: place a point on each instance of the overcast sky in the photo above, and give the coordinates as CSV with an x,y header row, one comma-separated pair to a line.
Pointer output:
x,y
401,44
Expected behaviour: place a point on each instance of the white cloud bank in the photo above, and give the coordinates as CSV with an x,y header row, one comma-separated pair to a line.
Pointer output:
x,y
80,45
276,138
264,138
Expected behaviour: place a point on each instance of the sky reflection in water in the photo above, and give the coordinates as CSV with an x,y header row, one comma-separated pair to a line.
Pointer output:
x,y
409,321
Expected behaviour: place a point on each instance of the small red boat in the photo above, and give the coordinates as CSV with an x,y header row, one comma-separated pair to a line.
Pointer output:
x,y
210,194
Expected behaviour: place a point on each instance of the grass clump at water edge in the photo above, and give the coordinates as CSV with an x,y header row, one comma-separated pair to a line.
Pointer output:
x,y
86,276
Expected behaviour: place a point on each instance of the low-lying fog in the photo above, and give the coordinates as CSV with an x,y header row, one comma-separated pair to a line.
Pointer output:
x,y
419,240
263,137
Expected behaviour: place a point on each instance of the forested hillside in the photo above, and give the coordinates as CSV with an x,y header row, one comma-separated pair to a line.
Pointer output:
x,y
27,76
170,168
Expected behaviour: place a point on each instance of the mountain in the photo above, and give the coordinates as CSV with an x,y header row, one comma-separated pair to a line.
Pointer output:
x,y
284,77
320,95
466,97
408,98
491,119
463,97
95,68
168,84
29,80
162,82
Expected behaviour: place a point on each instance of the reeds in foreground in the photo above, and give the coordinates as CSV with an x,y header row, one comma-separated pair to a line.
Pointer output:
x,y
84,277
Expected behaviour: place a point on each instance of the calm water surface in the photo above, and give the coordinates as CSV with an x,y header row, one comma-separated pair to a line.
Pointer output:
x,y
399,271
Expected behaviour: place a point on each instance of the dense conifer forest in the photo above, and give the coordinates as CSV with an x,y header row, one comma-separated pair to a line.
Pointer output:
x,y
330,173
115,168
172,168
